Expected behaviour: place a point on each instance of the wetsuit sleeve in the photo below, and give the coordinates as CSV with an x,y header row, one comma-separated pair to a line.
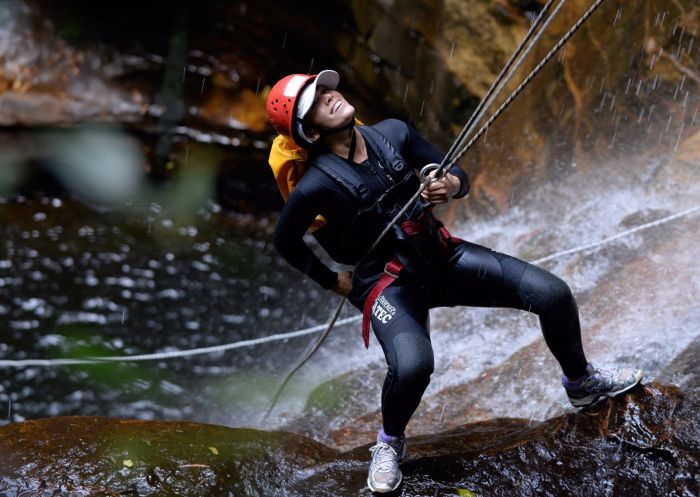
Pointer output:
x,y
418,152
296,217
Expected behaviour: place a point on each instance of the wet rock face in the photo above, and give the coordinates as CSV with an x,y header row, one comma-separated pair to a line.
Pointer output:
x,y
683,371
177,77
645,443
199,73
201,66
99,456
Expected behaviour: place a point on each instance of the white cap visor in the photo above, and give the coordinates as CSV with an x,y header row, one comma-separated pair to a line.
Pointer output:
x,y
327,78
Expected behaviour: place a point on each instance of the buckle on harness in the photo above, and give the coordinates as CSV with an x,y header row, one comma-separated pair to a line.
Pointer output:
x,y
388,272
392,269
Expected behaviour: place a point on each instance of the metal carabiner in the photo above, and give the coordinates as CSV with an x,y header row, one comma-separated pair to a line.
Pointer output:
x,y
425,172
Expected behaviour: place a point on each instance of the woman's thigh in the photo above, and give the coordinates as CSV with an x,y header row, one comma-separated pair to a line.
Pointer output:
x,y
479,276
399,321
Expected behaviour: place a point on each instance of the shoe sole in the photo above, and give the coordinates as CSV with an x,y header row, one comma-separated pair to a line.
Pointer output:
x,y
594,399
384,491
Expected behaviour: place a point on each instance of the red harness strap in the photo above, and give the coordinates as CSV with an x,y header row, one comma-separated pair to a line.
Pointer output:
x,y
391,272
446,237
412,228
394,267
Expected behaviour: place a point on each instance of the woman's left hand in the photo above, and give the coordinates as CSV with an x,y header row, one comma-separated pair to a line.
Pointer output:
x,y
442,190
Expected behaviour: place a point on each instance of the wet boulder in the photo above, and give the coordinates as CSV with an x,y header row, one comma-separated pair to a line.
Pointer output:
x,y
93,456
644,443
683,371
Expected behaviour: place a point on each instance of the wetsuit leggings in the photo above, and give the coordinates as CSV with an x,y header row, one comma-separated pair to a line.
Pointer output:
x,y
477,276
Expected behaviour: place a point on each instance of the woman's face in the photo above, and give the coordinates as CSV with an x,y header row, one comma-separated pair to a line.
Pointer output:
x,y
329,110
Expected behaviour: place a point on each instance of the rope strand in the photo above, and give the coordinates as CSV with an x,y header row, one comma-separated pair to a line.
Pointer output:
x,y
314,347
501,80
522,85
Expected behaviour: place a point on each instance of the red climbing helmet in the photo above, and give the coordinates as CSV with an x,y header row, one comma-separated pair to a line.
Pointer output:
x,y
291,98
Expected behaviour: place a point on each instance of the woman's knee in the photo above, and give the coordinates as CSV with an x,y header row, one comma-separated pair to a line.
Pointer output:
x,y
546,291
414,359
560,293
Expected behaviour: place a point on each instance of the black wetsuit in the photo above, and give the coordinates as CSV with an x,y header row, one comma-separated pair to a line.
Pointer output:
x,y
465,274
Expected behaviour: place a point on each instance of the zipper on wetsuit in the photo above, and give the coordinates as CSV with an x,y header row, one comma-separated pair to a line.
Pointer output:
x,y
386,173
384,178
378,177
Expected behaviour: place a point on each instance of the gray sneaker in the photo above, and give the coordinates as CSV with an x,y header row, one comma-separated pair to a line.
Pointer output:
x,y
600,383
384,473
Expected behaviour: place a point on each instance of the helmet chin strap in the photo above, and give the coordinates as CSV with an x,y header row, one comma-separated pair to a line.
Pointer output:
x,y
353,142
324,132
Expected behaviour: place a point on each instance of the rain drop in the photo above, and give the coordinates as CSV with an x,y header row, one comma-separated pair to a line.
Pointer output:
x,y
678,140
652,61
617,16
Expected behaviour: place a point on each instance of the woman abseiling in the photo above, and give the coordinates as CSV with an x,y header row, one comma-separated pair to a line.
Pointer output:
x,y
358,178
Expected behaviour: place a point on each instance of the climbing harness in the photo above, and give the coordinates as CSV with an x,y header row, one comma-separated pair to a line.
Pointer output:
x,y
392,269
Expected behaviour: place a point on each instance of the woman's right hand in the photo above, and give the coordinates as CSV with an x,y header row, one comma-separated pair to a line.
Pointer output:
x,y
344,284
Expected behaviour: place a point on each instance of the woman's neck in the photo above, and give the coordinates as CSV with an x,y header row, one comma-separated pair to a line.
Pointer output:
x,y
340,144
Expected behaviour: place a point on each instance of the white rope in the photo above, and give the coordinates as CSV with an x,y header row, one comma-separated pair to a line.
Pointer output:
x,y
174,353
314,329
605,241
